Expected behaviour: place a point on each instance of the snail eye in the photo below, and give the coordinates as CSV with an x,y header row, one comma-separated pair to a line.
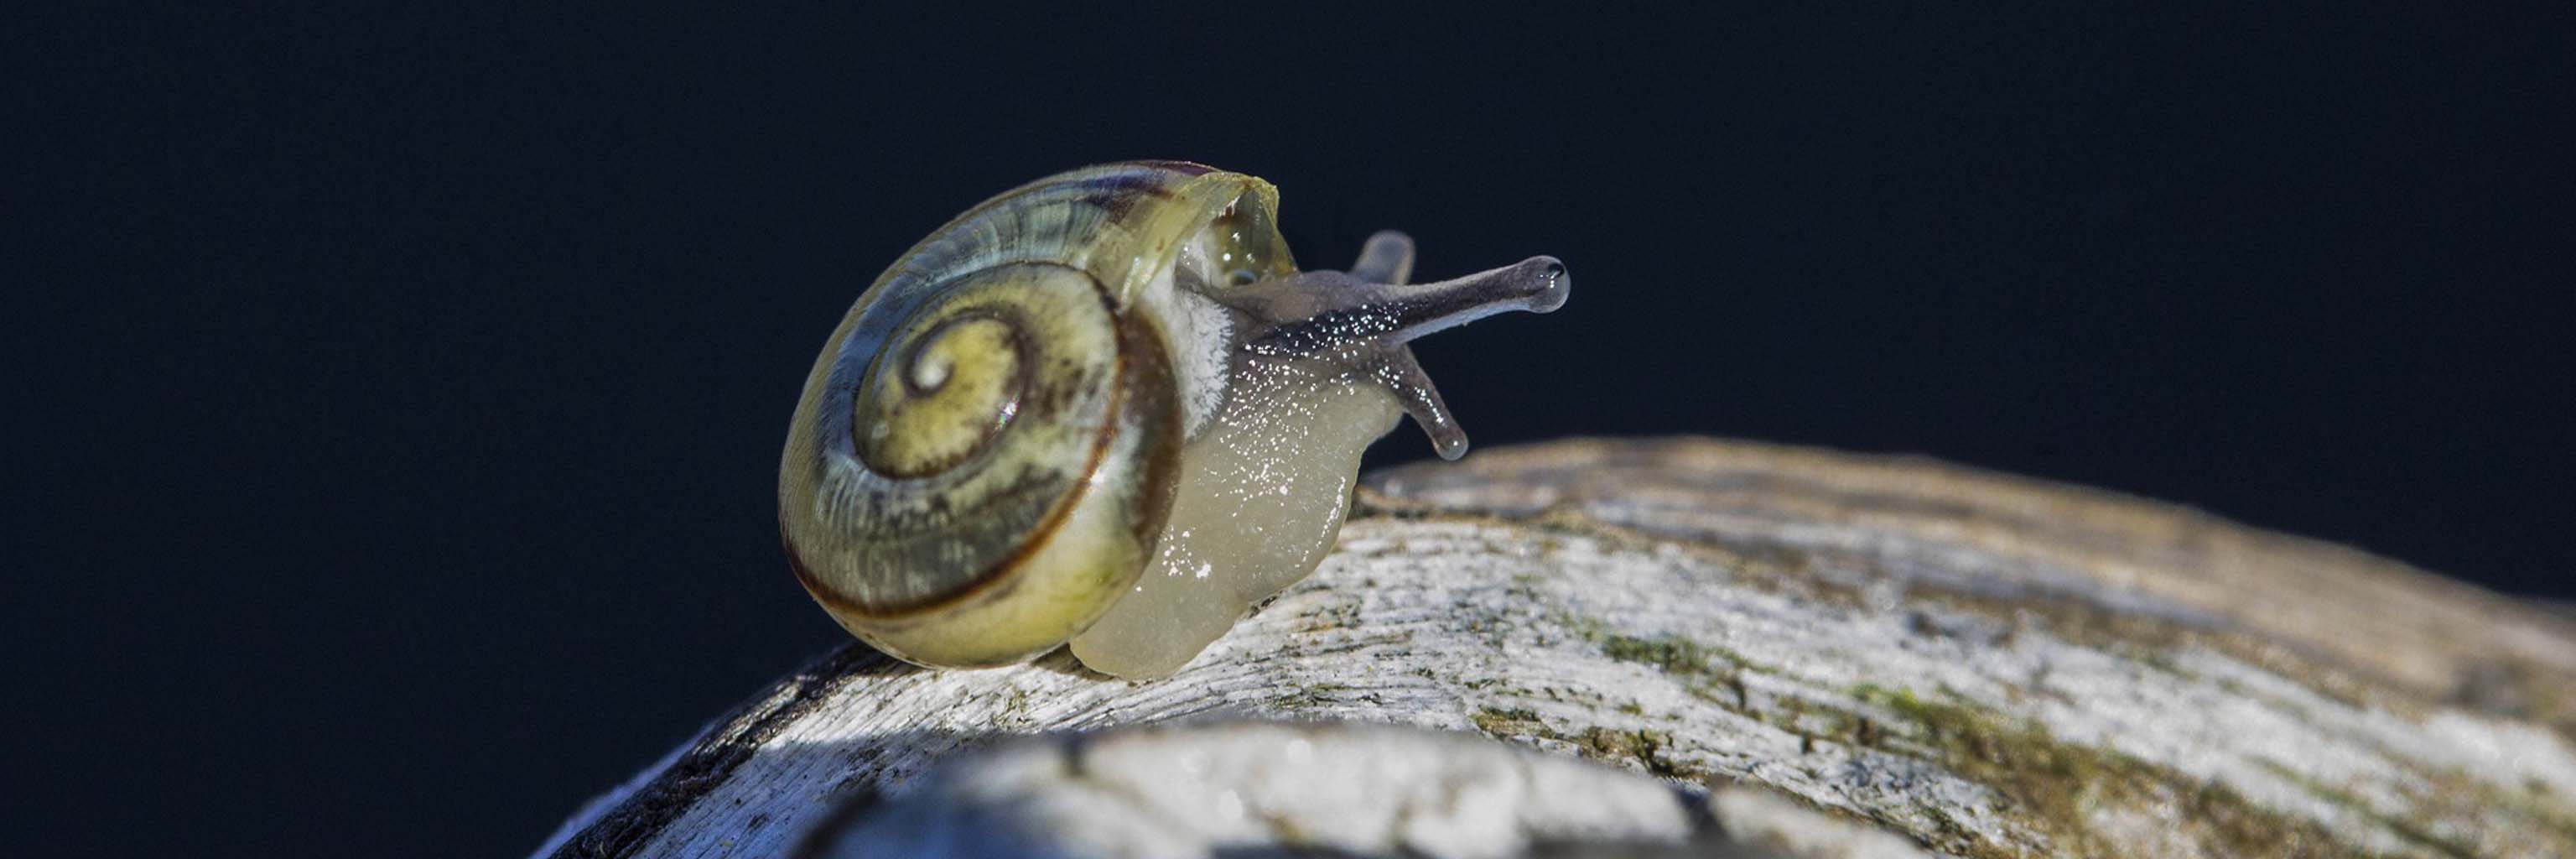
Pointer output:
x,y
1105,408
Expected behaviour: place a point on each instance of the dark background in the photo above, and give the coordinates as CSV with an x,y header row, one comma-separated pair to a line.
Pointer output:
x,y
399,395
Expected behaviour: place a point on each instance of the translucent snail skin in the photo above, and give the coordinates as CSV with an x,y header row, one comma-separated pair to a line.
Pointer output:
x,y
1106,408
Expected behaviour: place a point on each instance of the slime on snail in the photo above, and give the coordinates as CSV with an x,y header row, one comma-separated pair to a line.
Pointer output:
x,y
1106,408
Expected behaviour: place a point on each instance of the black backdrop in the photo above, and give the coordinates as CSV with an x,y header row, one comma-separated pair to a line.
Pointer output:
x,y
405,388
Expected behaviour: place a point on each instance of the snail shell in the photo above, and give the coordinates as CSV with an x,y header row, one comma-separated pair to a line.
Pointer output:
x,y
1105,408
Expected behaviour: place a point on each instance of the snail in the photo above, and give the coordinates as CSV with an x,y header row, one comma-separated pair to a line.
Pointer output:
x,y
1105,408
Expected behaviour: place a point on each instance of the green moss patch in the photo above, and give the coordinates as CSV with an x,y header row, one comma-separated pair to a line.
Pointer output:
x,y
2058,787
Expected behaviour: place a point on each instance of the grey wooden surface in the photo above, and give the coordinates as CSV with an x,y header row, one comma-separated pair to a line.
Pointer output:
x,y
1904,653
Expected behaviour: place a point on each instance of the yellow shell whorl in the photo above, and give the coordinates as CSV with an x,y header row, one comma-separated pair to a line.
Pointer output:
x,y
979,464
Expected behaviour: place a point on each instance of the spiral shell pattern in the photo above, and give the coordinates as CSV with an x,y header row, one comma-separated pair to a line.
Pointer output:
x,y
981,458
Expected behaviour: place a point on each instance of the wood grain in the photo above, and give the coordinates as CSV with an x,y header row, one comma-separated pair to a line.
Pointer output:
x,y
1977,664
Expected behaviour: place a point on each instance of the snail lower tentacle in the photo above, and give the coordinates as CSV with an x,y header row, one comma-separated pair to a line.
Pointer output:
x,y
1363,318
1322,369
1106,408
1395,369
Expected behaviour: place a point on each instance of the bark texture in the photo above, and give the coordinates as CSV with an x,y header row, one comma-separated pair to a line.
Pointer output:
x,y
1609,645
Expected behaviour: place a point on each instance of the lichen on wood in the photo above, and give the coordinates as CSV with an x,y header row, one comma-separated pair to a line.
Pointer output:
x,y
1983,665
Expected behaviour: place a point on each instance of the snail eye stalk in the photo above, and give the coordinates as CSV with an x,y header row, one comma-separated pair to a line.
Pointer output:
x,y
1105,408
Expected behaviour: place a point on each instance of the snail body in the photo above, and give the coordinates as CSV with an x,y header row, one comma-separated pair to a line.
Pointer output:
x,y
1105,408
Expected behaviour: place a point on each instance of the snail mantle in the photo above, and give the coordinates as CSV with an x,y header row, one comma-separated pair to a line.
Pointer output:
x,y
1106,407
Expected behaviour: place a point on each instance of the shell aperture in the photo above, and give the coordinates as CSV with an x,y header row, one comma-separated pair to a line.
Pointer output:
x,y
1106,407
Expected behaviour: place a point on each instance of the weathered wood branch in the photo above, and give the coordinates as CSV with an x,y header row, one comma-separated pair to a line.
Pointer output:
x,y
1984,665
